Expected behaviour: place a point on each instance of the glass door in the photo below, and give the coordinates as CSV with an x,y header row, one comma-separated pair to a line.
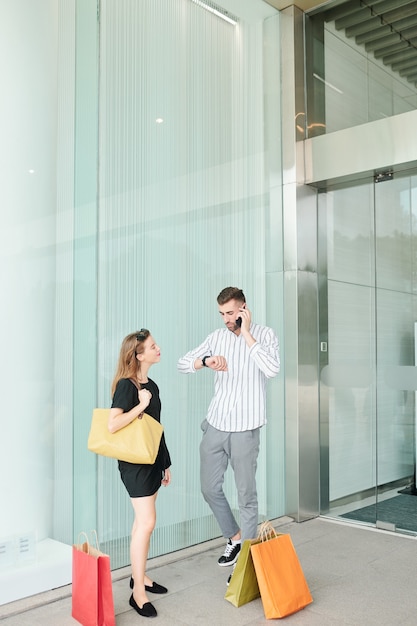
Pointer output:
x,y
395,265
367,252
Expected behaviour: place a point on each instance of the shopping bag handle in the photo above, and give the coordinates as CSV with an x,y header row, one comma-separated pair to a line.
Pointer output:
x,y
266,532
95,537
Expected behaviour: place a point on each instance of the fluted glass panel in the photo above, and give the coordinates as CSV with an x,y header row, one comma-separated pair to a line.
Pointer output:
x,y
350,248
138,158
183,212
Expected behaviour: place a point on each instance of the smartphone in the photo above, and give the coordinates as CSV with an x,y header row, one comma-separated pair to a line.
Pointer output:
x,y
239,319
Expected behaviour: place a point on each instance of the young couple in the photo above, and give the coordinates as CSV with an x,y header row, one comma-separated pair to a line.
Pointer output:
x,y
243,355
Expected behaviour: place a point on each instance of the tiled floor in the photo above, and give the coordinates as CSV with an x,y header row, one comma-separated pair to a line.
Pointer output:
x,y
356,575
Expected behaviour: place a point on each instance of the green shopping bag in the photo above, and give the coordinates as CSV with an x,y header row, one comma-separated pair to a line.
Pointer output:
x,y
243,586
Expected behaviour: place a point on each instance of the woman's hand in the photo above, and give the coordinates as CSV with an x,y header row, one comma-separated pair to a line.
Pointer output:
x,y
118,419
167,478
144,398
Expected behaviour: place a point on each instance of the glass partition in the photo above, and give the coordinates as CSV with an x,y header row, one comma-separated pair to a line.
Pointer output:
x,y
183,207
396,254
145,179
368,384
353,74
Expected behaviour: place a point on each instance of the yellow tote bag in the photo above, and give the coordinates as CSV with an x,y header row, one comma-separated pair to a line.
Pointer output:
x,y
138,442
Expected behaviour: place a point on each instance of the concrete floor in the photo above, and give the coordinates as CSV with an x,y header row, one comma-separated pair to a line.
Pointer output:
x,y
357,575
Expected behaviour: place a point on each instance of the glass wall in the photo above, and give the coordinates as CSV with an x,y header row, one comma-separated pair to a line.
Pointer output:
x,y
359,88
350,85
145,179
369,382
36,521
183,208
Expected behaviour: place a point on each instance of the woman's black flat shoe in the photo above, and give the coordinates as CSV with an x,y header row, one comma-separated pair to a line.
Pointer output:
x,y
148,609
154,588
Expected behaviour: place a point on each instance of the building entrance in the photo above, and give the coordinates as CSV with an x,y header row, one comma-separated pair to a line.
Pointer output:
x,y
368,380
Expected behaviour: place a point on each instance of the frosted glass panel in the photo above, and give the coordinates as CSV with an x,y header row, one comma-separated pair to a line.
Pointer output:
x,y
394,235
36,195
350,246
184,206
395,405
349,379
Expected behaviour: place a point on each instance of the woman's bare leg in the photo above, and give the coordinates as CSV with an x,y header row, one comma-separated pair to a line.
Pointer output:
x,y
143,525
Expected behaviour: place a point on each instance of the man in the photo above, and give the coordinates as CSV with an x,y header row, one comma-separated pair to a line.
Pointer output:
x,y
243,356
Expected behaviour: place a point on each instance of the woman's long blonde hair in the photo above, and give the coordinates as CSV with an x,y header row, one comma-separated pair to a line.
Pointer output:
x,y
128,365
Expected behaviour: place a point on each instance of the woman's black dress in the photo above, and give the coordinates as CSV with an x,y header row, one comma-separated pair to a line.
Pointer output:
x,y
141,480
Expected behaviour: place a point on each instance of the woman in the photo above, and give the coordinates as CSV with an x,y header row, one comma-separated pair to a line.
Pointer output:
x,y
134,393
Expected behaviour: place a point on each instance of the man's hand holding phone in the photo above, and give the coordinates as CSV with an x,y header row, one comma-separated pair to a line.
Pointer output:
x,y
244,320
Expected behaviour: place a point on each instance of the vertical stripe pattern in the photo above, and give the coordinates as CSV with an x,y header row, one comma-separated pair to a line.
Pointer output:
x,y
238,402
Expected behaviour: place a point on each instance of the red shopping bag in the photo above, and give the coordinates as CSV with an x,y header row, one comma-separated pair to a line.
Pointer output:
x,y
281,581
92,592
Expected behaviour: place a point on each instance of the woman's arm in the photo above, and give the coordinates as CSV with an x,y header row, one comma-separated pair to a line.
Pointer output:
x,y
118,419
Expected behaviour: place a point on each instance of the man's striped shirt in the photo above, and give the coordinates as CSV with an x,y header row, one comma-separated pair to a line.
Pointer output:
x,y
239,393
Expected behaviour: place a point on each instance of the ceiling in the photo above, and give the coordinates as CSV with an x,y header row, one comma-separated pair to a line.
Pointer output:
x,y
385,28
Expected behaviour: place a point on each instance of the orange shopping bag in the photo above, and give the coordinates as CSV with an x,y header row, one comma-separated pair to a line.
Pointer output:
x,y
92,592
281,581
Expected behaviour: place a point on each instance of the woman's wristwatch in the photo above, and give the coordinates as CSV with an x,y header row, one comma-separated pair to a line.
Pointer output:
x,y
203,360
